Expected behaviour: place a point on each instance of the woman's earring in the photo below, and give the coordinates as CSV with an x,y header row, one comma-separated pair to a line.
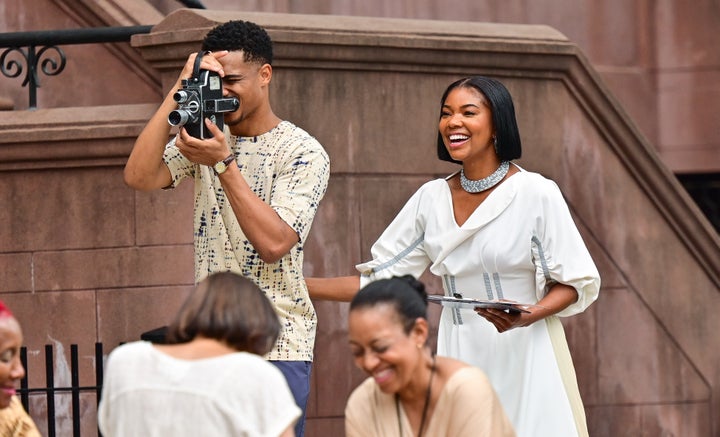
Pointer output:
x,y
495,144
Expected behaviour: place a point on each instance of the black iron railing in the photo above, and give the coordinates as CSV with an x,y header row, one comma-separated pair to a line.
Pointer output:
x,y
50,391
30,53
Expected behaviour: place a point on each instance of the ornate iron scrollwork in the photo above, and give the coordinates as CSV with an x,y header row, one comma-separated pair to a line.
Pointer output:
x,y
49,59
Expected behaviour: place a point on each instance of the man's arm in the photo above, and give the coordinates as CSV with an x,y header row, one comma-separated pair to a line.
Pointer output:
x,y
271,237
269,234
145,168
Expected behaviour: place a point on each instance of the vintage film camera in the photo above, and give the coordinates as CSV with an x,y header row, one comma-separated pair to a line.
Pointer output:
x,y
201,97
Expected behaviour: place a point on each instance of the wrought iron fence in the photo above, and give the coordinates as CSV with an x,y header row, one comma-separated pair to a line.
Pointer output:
x,y
51,391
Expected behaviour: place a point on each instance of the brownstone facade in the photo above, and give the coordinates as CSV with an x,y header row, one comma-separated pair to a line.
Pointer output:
x,y
86,259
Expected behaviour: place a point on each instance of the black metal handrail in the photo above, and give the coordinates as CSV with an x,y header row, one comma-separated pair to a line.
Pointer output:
x,y
50,59
71,36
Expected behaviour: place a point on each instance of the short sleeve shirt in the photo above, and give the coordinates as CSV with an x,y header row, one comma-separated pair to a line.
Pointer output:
x,y
289,170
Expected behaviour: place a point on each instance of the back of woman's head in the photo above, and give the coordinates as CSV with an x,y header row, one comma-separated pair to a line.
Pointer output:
x,y
229,308
501,106
406,294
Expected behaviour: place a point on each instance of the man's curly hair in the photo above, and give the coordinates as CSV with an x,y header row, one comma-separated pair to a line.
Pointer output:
x,y
237,35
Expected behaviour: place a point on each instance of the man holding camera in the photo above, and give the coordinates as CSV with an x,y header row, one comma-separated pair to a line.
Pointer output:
x,y
257,188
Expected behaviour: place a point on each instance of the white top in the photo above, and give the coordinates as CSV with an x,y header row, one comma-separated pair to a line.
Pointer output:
x,y
289,170
149,393
519,241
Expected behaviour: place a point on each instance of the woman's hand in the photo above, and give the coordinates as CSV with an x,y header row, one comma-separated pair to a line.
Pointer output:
x,y
504,320
559,297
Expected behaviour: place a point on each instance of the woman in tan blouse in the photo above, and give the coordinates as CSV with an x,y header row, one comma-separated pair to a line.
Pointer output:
x,y
411,392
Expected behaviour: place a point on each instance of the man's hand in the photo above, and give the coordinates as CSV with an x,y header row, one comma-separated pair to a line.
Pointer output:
x,y
145,169
209,62
207,151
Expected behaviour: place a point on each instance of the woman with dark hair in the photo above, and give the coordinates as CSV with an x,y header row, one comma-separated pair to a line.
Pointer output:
x,y
14,420
493,231
411,392
210,379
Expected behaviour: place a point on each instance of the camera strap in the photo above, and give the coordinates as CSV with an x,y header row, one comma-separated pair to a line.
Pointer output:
x,y
196,65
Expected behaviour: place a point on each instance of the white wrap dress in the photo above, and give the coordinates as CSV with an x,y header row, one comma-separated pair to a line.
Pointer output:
x,y
520,241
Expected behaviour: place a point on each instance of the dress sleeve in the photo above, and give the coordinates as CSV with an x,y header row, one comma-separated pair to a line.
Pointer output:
x,y
400,249
473,407
560,255
300,185
180,167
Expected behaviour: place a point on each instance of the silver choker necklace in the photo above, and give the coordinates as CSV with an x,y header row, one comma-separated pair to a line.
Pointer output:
x,y
485,183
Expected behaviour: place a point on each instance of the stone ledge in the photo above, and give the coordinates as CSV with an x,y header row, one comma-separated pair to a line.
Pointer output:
x,y
72,137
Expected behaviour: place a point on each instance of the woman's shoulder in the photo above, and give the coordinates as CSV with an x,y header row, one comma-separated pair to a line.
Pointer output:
x,y
428,193
251,366
367,396
447,366
434,187
15,421
535,184
249,359
531,177
458,374
130,349
129,355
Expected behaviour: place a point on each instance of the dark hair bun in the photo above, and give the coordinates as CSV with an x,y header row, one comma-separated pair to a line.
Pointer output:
x,y
416,285
405,293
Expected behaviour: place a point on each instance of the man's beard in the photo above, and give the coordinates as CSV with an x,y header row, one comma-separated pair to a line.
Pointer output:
x,y
236,121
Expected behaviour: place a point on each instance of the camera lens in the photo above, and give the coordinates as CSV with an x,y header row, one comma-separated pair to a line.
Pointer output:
x,y
178,117
181,96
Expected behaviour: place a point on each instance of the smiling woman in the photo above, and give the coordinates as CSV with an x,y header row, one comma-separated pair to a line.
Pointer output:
x,y
14,421
493,231
411,392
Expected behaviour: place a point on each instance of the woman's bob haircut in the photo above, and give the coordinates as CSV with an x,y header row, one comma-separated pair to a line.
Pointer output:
x,y
499,100
229,308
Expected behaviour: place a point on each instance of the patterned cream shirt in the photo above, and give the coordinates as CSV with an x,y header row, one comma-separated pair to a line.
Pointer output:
x,y
289,170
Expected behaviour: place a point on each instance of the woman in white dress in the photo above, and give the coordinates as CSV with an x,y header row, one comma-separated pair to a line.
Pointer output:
x,y
493,231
